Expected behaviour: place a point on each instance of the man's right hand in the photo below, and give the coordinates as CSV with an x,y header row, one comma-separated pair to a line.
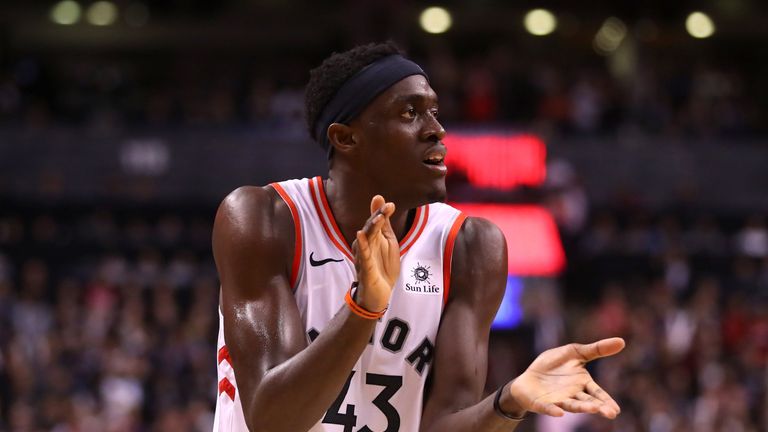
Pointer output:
x,y
377,257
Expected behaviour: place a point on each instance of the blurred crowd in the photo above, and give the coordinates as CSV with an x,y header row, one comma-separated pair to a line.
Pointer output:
x,y
108,320
690,296
585,96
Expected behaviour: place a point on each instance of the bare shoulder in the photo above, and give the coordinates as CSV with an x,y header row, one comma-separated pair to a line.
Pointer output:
x,y
479,260
252,212
253,224
480,235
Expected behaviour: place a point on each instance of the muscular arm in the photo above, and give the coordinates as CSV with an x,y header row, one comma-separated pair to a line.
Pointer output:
x,y
555,382
284,384
478,281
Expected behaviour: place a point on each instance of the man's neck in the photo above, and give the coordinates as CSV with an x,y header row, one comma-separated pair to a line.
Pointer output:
x,y
350,201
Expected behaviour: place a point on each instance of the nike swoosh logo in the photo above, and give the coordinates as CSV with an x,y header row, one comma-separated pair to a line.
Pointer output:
x,y
321,262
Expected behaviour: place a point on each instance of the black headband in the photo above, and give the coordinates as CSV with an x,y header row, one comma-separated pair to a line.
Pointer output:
x,y
357,92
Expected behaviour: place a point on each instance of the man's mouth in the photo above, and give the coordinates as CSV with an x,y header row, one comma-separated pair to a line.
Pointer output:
x,y
434,160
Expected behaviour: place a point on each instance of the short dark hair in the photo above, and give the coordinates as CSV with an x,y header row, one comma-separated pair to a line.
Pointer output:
x,y
326,79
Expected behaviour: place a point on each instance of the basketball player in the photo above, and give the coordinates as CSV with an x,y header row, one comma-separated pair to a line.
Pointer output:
x,y
340,296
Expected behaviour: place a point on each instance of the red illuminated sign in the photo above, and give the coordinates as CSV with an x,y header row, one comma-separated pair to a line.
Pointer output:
x,y
497,161
533,242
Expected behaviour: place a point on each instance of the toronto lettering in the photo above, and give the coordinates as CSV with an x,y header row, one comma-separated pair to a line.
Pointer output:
x,y
394,336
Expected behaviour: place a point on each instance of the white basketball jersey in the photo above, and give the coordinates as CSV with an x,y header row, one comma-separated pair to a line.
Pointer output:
x,y
385,389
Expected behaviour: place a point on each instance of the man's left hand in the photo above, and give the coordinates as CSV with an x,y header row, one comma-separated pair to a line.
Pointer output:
x,y
557,381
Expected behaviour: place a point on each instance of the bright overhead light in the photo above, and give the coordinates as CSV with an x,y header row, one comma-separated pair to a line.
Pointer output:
x,y
102,13
540,22
66,12
435,20
699,25
609,37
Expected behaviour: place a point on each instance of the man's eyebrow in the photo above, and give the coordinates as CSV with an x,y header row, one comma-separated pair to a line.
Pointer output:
x,y
415,98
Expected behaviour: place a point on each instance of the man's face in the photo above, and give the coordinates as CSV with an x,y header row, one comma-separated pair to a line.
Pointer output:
x,y
400,143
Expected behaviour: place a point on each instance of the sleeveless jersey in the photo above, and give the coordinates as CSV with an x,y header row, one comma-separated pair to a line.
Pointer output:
x,y
384,391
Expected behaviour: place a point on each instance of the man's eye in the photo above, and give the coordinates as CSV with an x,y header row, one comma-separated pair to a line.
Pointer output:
x,y
435,112
409,113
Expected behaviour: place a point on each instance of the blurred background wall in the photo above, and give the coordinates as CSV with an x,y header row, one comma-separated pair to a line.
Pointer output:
x,y
124,123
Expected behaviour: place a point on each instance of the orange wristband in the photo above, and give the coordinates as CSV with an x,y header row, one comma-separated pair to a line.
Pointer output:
x,y
359,310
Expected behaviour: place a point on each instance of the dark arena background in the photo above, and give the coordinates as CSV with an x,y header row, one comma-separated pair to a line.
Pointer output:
x,y
621,146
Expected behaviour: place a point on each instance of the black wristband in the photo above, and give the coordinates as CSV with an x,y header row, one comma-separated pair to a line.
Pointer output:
x,y
499,411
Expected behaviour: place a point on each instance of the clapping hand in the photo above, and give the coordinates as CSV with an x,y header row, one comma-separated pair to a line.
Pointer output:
x,y
377,256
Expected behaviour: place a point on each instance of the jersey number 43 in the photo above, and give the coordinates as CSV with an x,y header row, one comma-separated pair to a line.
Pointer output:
x,y
348,419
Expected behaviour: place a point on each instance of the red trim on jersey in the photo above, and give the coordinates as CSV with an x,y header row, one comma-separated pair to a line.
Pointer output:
x,y
448,254
324,211
226,387
331,228
224,355
419,221
296,230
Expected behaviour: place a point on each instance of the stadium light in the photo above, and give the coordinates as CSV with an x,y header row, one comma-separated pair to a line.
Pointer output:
x,y
699,25
609,37
102,13
66,12
540,22
435,20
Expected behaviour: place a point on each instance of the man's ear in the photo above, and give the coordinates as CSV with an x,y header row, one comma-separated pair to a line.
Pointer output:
x,y
341,137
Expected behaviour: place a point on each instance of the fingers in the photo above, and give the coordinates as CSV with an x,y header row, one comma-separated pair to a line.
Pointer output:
x,y
548,408
378,203
374,223
579,406
364,262
379,219
609,408
387,231
582,402
584,397
601,348
362,245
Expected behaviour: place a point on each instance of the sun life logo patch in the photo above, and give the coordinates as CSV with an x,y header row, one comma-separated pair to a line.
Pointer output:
x,y
421,281
421,273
